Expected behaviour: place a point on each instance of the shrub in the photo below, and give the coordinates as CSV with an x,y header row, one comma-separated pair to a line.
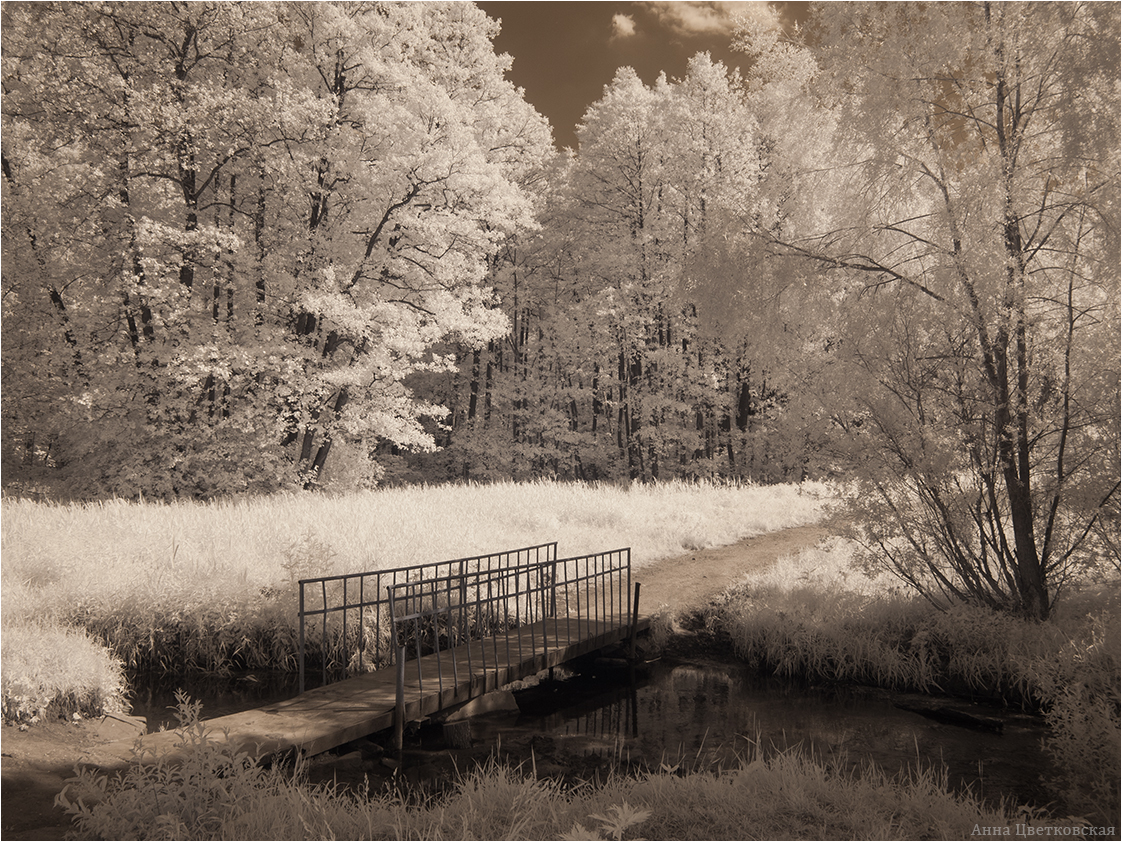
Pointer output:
x,y
1080,685
51,671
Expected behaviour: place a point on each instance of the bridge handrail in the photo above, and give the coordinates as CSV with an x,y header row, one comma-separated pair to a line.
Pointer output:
x,y
439,614
373,598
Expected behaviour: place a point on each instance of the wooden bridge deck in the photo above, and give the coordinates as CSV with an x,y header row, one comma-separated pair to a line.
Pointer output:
x,y
328,716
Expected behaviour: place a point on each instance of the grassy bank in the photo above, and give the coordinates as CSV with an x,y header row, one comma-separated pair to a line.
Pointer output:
x,y
218,795
210,586
819,615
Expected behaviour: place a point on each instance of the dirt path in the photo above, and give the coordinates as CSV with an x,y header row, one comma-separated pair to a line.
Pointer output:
x,y
692,579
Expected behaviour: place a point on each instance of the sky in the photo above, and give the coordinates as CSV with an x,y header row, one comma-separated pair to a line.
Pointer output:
x,y
566,52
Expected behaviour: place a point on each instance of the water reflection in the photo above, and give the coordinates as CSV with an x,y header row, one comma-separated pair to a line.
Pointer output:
x,y
153,695
705,716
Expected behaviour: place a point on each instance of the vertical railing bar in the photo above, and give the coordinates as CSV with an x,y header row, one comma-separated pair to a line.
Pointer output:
x,y
493,626
622,606
451,630
393,584
436,642
541,605
568,610
609,587
453,640
378,625
506,612
595,564
300,645
465,621
602,562
604,576
612,583
518,611
554,588
346,660
531,591
467,633
576,590
482,645
630,608
361,625
589,597
418,629
503,589
323,640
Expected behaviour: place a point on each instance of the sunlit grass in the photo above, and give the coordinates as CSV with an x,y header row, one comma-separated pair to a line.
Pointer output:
x,y
210,586
82,553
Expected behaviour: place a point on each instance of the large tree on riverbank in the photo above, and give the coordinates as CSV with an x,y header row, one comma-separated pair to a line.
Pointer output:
x,y
969,214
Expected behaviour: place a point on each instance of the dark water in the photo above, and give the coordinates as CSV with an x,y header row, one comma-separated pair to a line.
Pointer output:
x,y
698,716
153,695
708,715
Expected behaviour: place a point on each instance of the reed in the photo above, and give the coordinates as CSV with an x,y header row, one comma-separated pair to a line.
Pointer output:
x,y
51,672
820,614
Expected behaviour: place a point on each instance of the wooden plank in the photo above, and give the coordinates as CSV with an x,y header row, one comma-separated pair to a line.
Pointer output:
x,y
325,717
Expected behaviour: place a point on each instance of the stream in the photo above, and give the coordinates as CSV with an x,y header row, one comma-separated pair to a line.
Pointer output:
x,y
692,715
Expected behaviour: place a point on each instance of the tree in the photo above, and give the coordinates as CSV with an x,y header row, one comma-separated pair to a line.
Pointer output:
x,y
239,228
970,215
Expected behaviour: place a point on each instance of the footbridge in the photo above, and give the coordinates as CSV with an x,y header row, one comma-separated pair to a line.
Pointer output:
x,y
398,646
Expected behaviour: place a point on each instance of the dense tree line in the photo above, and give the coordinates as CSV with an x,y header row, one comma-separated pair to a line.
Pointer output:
x,y
611,369
251,247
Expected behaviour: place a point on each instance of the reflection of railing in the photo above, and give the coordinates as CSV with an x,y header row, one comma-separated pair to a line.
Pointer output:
x,y
479,621
354,628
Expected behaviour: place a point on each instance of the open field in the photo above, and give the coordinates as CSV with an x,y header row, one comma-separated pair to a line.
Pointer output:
x,y
211,585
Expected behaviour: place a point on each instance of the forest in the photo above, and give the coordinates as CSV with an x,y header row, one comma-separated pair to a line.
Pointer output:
x,y
279,246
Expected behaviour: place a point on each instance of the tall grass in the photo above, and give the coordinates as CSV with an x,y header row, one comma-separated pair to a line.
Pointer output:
x,y
188,585
216,793
820,614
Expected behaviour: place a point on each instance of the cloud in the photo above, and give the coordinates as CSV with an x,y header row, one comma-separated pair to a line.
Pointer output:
x,y
698,18
623,26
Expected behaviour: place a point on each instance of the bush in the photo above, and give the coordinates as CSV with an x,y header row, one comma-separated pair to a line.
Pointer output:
x,y
51,671
1080,684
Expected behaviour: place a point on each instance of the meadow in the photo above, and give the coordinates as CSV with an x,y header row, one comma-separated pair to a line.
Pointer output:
x,y
90,589
211,586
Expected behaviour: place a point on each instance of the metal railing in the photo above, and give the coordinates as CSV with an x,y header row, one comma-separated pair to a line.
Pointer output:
x,y
572,598
348,615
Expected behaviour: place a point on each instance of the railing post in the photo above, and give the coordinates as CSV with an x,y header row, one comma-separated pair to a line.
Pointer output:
x,y
634,621
553,589
399,707
300,650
